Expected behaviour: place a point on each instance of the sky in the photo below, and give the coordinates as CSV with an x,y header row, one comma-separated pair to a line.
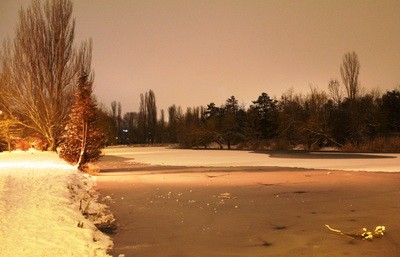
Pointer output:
x,y
194,52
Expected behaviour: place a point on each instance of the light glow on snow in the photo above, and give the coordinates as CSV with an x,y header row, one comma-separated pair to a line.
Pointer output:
x,y
33,165
40,201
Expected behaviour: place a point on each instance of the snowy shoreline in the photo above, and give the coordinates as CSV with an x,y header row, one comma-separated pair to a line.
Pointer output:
x,y
371,162
42,199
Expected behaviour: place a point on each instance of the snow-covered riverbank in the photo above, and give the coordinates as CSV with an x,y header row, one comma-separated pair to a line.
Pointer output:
x,y
41,203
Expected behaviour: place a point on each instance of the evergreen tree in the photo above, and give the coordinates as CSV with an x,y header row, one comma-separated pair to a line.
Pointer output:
x,y
263,117
82,140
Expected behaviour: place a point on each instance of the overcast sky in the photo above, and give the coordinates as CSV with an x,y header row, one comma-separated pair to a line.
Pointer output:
x,y
191,53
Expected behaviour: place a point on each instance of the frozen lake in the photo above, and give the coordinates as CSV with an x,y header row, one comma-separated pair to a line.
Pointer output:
x,y
228,208
229,158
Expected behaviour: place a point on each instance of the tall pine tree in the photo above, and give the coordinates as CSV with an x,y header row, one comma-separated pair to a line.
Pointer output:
x,y
82,140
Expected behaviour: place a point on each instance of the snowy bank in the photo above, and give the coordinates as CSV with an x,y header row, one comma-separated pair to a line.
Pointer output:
x,y
42,199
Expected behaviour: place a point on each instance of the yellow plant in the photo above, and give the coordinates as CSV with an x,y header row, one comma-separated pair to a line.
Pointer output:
x,y
364,235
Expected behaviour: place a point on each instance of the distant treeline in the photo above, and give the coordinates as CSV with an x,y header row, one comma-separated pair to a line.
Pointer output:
x,y
345,117
364,121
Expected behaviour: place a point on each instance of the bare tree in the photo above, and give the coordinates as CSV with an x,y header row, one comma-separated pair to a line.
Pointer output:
x,y
349,70
114,110
39,69
335,91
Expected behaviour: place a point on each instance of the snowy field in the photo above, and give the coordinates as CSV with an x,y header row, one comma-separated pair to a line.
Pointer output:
x,y
227,158
40,201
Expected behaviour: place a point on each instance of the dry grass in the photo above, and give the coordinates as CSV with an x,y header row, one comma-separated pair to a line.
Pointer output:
x,y
379,144
91,168
382,144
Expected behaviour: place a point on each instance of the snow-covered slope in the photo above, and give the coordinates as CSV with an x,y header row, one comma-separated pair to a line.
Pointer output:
x,y
41,198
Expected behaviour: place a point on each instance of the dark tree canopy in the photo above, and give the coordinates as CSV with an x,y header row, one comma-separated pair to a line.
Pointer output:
x,y
264,117
147,118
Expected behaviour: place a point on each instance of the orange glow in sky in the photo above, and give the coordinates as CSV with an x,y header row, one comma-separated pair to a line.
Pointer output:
x,y
192,53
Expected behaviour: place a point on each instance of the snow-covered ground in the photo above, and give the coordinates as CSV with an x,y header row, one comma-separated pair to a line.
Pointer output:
x,y
227,158
41,198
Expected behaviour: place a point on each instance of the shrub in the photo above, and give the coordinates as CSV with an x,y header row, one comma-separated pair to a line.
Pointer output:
x,y
21,144
382,144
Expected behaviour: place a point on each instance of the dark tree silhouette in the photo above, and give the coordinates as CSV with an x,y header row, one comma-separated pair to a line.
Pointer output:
x,y
349,70
172,124
147,118
263,117
390,110
151,116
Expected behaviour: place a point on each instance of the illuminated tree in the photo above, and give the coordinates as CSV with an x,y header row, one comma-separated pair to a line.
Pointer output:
x,y
82,140
39,68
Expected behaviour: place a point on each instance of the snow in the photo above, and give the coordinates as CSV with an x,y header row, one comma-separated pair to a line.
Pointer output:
x,y
42,198
229,158
40,201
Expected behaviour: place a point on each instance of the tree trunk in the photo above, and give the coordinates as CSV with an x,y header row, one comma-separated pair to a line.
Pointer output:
x,y
52,144
83,146
9,143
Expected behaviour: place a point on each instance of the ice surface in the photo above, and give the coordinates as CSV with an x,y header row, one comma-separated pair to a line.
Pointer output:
x,y
228,158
